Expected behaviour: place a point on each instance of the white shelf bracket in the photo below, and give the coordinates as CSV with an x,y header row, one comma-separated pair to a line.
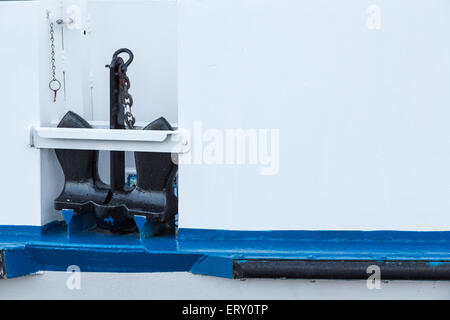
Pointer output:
x,y
109,139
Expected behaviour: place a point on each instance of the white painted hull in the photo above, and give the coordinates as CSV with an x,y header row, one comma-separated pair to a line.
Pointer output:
x,y
184,285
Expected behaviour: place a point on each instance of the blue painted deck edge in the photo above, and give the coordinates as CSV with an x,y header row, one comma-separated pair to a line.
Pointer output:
x,y
18,262
20,229
214,266
317,235
27,249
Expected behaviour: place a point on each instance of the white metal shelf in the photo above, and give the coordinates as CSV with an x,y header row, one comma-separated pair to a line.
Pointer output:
x,y
109,139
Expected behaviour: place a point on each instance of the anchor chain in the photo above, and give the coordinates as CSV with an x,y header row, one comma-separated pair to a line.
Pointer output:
x,y
126,99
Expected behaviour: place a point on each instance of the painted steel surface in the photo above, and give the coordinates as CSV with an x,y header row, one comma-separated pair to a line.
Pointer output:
x,y
210,252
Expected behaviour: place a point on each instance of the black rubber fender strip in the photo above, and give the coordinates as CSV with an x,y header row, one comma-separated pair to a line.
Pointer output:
x,y
341,269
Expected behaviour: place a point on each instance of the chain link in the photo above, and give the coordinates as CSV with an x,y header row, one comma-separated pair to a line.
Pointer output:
x,y
52,40
127,100
54,83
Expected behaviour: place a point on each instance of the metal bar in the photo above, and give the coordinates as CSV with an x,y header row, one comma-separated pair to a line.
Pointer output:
x,y
341,269
116,121
117,170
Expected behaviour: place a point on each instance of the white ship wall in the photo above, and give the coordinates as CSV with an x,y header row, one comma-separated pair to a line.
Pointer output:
x,y
359,91
19,88
183,285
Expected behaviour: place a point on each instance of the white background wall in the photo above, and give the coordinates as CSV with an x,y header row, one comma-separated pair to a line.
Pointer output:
x,y
362,114
148,28
19,89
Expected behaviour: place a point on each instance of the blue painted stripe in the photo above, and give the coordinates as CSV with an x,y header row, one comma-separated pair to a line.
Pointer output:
x,y
96,259
210,252
20,229
322,235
